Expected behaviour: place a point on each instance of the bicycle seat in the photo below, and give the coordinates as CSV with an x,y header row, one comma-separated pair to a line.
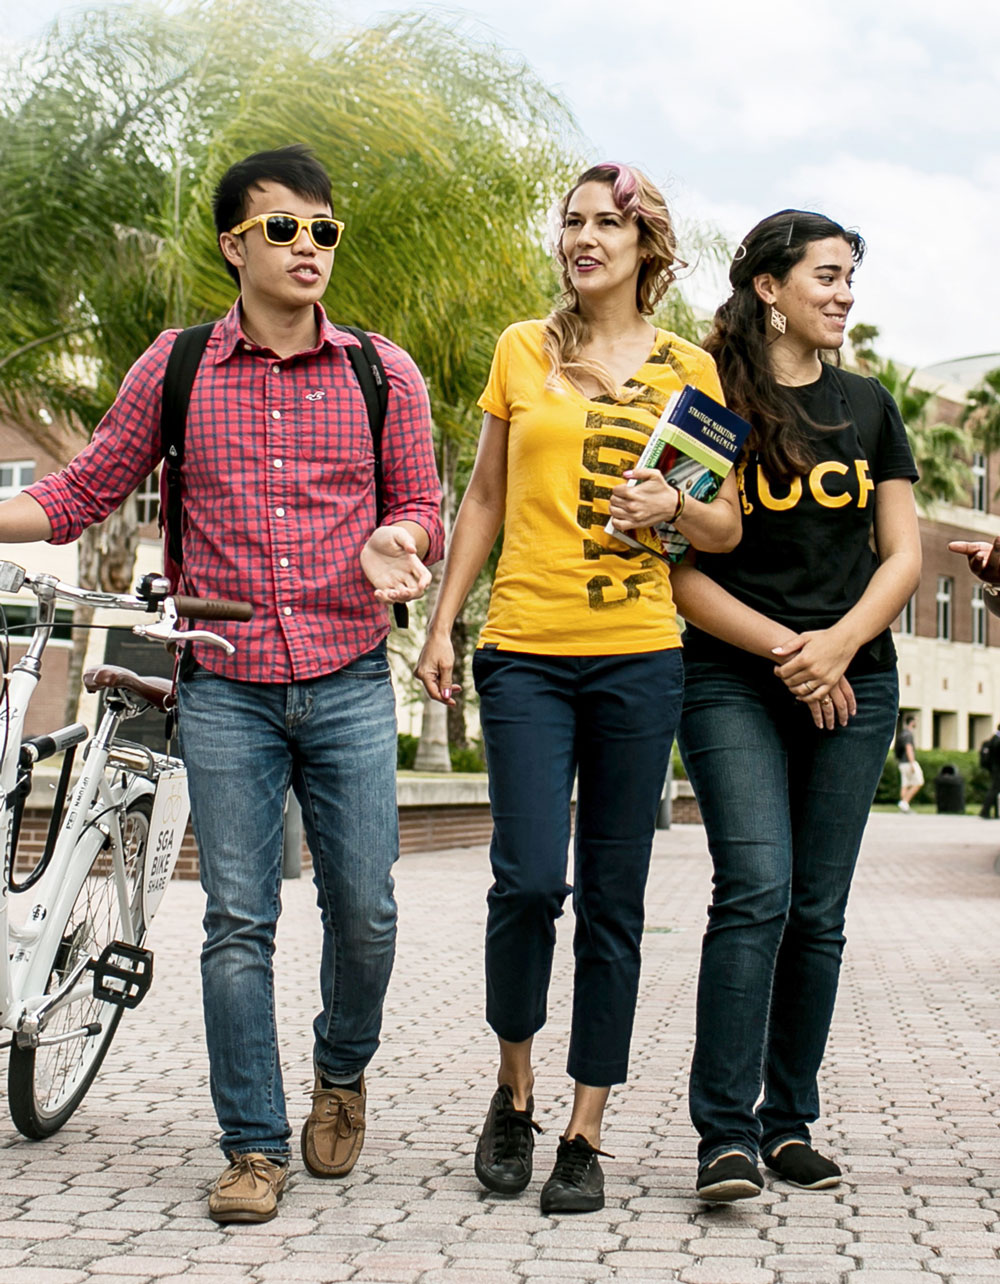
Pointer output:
x,y
155,691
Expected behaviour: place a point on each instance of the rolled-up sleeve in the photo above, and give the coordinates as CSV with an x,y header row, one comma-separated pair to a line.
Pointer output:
x,y
124,450
412,490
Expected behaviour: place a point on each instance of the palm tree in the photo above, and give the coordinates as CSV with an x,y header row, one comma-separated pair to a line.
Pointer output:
x,y
982,413
444,156
940,450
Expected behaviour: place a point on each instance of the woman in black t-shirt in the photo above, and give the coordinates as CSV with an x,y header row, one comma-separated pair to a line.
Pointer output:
x,y
791,695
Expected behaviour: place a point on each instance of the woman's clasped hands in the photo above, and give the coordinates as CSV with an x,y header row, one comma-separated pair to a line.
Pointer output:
x,y
811,665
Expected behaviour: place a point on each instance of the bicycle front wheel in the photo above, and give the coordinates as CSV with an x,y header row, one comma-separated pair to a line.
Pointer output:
x,y
47,1083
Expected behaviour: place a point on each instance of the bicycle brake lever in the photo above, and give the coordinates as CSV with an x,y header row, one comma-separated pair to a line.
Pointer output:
x,y
163,631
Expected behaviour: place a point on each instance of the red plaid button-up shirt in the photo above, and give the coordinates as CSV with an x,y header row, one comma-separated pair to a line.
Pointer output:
x,y
278,487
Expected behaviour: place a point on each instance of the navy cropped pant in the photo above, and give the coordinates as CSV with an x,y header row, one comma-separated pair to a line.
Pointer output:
x,y
546,719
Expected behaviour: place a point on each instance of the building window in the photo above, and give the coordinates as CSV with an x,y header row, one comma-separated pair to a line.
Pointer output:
x,y
945,584
147,499
978,617
20,618
907,617
979,490
15,476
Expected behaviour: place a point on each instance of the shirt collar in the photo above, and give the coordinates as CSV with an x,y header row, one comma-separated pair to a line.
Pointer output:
x,y
230,338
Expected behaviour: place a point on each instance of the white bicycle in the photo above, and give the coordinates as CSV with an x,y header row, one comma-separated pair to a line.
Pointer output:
x,y
76,958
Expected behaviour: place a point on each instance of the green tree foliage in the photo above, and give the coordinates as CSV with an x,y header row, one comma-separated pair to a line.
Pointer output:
x,y
444,156
982,412
444,153
941,450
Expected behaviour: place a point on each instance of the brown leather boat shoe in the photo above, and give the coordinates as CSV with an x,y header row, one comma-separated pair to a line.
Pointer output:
x,y
249,1189
335,1130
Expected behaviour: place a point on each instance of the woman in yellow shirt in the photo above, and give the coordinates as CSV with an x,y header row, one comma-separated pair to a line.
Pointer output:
x,y
578,667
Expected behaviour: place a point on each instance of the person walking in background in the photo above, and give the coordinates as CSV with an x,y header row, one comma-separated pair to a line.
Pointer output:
x,y
984,562
911,777
578,667
798,614
989,757
279,508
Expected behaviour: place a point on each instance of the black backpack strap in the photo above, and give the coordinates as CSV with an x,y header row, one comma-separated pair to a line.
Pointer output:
x,y
371,376
178,380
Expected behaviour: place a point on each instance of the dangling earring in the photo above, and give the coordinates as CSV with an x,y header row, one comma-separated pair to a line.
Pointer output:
x,y
778,320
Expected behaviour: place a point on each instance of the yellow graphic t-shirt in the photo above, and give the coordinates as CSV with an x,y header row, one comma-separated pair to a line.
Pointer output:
x,y
564,587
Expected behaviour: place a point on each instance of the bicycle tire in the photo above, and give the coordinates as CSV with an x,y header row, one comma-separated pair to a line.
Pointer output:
x,y
46,1084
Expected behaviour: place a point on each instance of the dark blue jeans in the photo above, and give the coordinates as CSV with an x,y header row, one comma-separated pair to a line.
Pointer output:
x,y
785,807
334,740
545,719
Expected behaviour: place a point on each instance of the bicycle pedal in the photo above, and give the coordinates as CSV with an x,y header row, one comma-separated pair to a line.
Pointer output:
x,y
123,974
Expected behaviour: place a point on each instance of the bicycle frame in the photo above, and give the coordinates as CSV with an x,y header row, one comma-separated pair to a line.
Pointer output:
x,y
92,824
26,950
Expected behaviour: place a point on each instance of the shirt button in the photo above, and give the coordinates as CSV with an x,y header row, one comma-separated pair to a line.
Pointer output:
x,y
278,463
248,347
286,610
275,414
276,370
279,512
283,561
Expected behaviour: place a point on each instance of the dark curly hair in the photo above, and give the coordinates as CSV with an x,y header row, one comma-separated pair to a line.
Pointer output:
x,y
738,338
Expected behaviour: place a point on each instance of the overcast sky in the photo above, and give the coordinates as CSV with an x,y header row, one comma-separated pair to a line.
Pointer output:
x,y
886,116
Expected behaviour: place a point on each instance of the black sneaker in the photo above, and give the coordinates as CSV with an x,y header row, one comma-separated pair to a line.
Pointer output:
x,y
503,1152
727,1178
577,1183
798,1163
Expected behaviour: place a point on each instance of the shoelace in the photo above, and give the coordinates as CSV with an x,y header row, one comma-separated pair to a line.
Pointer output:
x,y
254,1165
337,1111
513,1130
573,1159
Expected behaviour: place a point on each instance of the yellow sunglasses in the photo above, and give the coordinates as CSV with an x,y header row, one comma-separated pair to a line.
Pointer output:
x,y
285,229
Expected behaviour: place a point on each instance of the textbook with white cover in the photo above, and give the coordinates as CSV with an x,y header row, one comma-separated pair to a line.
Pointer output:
x,y
694,445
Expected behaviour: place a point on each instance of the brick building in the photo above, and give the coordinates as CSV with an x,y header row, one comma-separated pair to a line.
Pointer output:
x,y
948,643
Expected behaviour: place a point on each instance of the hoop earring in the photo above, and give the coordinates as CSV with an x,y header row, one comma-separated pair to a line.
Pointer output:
x,y
778,320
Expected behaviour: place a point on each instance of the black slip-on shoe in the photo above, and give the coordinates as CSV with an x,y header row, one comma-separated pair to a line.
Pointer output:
x,y
798,1163
577,1182
504,1149
727,1178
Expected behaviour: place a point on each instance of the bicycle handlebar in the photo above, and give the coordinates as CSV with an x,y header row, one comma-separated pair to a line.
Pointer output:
x,y
210,608
13,577
39,747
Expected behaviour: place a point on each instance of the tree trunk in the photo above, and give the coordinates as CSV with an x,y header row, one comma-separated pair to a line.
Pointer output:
x,y
432,751
457,734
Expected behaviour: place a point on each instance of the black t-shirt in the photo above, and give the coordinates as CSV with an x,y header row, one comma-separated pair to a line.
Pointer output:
x,y
903,740
805,557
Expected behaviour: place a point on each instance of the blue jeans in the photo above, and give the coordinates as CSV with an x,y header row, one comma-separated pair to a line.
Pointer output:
x,y
785,807
611,721
334,740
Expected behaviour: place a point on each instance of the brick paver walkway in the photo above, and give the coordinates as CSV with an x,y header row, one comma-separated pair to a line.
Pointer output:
x,y
910,1088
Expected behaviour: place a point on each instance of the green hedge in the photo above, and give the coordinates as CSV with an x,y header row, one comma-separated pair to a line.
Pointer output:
x,y
977,780
470,759
931,760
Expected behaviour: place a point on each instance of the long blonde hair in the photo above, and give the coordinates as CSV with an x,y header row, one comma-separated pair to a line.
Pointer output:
x,y
566,329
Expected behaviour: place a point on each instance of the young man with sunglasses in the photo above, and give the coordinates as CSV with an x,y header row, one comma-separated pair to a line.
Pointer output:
x,y
279,509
